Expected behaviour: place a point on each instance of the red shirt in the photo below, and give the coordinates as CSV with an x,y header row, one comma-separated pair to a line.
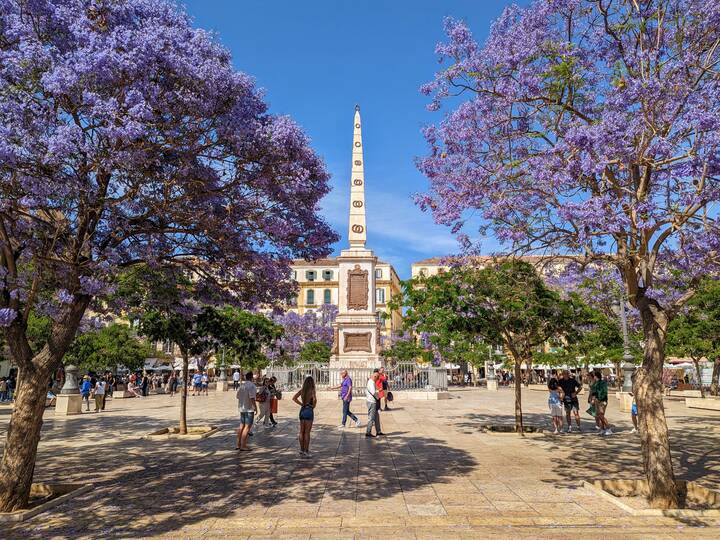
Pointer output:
x,y
379,385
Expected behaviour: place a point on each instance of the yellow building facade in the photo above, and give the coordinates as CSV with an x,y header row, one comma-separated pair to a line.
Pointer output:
x,y
318,284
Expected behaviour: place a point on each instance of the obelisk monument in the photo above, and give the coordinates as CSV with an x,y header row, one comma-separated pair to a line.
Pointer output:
x,y
357,327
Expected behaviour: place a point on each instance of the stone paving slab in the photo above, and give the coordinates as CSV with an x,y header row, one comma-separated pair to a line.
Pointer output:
x,y
435,476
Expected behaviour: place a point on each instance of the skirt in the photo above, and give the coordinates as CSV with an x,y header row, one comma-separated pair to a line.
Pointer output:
x,y
556,410
307,413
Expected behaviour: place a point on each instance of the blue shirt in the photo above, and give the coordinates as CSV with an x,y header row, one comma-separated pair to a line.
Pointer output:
x,y
554,398
196,379
85,387
345,388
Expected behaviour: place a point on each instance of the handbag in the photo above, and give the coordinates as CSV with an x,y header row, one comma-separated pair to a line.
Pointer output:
x,y
273,406
389,396
261,397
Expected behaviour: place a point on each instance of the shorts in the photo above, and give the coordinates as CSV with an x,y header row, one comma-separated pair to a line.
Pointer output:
x,y
600,406
633,409
247,418
307,414
556,410
571,403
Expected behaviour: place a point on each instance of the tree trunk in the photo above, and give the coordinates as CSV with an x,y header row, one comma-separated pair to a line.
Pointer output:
x,y
528,365
183,395
518,399
698,372
715,383
648,390
18,461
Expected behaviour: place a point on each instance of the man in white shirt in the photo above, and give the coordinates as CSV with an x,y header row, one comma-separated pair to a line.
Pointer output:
x,y
99,394
236,380
373,403
247,409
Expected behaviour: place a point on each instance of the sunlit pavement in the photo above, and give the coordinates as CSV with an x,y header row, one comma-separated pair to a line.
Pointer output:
x,y
434,475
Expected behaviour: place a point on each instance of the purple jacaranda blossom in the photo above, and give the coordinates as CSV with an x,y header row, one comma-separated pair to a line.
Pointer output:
x,y
7,316
301,329
64,297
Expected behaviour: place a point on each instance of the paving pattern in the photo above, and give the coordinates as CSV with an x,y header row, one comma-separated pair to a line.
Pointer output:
x,y
434,476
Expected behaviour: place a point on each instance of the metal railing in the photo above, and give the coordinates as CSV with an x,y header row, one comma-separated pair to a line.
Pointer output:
x,y
405,376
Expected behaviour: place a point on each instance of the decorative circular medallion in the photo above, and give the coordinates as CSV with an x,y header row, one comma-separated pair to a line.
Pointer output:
x,y
357,144
357,204
357,126
358,181
357,229
358,162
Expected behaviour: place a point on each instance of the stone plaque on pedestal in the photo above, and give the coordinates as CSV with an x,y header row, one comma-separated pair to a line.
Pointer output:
x,y
358,342
357,288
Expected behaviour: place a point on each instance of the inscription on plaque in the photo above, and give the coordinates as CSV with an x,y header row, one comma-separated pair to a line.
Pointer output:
x,y
357,182
357,291
359,342
358,229
357,204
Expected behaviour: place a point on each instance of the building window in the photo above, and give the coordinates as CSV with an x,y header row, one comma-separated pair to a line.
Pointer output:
x,y
423,272
378,273
294,275
327,296
380,296
327,275
310,275
167,346
310,297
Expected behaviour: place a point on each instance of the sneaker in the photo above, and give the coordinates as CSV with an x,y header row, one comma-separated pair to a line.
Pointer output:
x,y
633,430
568,430
556,432
301,453
341,426
381,434
357,423
370,435
608,431
598,428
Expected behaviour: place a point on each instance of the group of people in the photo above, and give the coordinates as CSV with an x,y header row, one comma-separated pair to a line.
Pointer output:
x,y
249,395
97,388
7,389
563,397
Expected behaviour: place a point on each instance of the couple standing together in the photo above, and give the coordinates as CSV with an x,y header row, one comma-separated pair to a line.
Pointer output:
x,y
375,391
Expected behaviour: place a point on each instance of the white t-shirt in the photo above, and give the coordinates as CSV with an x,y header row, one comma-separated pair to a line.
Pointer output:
x,y
236,376
370,391
99,388
245,394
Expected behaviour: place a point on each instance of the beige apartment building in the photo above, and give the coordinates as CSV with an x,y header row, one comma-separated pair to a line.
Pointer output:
x,y
436,265
318,284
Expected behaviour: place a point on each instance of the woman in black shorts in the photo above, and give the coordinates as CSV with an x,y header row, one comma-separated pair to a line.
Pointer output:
x,y
307,400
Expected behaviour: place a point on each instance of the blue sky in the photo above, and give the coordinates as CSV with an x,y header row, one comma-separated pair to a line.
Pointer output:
x,y
317,58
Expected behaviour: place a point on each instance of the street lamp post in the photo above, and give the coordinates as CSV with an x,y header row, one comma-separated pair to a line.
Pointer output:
x,y
627,366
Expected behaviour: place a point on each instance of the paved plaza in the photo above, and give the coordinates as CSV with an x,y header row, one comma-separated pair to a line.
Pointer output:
x,y
434,476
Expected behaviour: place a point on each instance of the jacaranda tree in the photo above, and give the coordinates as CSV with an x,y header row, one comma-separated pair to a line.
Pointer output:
x,y
591,128
127,137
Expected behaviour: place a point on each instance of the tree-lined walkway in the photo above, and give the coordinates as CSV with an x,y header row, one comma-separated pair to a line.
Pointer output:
x,y
434,476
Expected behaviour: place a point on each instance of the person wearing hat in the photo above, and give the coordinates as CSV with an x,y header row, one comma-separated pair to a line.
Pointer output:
x,y
85,388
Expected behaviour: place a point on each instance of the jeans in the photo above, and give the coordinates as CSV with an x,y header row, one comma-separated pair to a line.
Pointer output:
x,y
346,413
373,418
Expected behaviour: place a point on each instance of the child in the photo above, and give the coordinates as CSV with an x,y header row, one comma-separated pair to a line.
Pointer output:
x,y
556,408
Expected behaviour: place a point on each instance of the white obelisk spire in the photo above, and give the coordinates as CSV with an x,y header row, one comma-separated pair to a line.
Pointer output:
x,y
358,230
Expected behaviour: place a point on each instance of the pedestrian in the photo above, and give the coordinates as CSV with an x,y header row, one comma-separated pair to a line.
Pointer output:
x,y
106,380
373,403
204,382
99,394
570,386
346,396
144,384
384,389
197,383
3,390
600,398
263,398
555,405
307,399
247,408
172,384
236,379
85,389
634,414
275,396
